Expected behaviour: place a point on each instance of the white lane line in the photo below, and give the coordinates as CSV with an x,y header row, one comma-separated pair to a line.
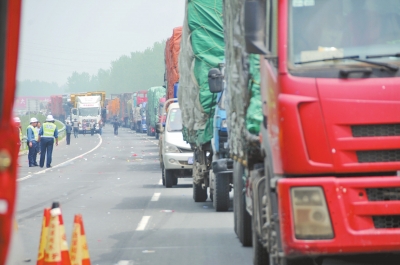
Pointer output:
x,y
56,166
125,262
160,182
142,225
155,197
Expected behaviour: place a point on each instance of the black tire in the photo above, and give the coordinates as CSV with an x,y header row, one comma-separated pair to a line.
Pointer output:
x,y
199,194
221,193
243,221
260,254
169,178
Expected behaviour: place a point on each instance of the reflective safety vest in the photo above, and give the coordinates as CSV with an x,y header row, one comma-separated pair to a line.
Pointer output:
x,y
49,129
35,132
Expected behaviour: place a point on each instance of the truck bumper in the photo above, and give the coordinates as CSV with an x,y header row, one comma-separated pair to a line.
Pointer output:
x,y
364,213
222,166
177,160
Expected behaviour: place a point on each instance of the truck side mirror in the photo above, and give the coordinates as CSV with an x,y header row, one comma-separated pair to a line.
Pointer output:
x,y
215,80
159,128
254,26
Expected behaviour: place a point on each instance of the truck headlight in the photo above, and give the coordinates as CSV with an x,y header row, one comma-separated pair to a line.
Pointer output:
x,y
170,148
224,124
310,212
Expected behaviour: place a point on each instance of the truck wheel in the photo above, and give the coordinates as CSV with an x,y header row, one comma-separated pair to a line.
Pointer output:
x,y
169,176
260,254
199,194
243,218
221,193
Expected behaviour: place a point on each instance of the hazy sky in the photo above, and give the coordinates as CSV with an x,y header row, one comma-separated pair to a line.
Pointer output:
x,y
62,36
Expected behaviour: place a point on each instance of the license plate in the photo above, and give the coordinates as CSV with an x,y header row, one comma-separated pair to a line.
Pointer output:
x,y
190,161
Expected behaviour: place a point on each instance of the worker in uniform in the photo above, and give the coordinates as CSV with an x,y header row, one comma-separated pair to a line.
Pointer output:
x,y
47,134
68,130
32,140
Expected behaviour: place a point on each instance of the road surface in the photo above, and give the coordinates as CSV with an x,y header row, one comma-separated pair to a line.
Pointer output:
x,y
129,217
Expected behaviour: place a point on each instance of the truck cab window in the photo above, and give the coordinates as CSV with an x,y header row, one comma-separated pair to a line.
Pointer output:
x,y
321,29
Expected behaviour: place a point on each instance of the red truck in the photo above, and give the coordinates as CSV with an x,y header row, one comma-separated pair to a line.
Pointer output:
x,y
326,182
56,107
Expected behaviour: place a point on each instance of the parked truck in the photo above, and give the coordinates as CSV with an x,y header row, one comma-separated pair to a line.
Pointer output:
x,y
88,109
171,76
56,107
139,100
154,94
321,179
202,48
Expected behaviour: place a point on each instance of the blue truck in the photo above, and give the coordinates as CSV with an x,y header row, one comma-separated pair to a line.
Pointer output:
x,y
221,172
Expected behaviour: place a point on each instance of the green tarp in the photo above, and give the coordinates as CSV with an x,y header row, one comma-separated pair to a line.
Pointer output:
x,y
254,114
153,98
202,48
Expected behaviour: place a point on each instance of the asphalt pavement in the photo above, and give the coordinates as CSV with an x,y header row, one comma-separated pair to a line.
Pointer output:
x,y
129,217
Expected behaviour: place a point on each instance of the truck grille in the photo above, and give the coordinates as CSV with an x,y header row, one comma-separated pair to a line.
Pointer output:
x,y
378,156
389,221
375,130
383,194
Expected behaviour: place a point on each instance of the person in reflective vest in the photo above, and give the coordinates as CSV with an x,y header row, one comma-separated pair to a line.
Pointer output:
x,y
47,134
32,141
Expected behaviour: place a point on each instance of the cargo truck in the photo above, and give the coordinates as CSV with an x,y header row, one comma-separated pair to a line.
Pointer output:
x,y
154,94
171,55
138,108
220,176
321,179
88,109
202,48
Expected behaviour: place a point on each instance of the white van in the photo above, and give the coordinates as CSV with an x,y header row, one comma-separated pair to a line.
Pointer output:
x,y
176,154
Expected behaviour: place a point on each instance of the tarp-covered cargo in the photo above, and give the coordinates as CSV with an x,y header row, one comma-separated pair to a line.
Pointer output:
x,y
242,74
153,99
202,48
172,48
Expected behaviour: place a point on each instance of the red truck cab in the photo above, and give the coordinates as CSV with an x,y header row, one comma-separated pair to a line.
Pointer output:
x,y
331,138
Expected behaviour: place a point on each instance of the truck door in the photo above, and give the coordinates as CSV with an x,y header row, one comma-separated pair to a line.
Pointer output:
x,y
9,34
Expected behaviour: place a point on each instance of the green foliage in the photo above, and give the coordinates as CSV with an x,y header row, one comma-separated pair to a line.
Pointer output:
x,y
139,71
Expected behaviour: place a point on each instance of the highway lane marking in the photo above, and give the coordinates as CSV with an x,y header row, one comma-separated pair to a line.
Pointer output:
x,y
70,160
156,197
125,262
142,224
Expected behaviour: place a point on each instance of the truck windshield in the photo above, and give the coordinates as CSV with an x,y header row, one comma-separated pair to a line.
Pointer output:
x,y
88,111
326,29
174,121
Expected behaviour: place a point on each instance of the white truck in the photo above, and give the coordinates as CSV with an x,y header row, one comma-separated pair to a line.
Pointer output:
x,y
88,112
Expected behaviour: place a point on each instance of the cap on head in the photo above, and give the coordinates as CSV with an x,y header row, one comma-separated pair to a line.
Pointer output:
x,y
17,119
49,118
33,119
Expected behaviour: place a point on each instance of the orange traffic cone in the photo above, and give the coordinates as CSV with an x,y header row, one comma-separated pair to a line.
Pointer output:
x,y
79,251
56,251
43,236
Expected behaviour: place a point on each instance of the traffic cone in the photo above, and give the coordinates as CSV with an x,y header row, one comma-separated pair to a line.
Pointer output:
x,y
79,251
43,236
56,251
